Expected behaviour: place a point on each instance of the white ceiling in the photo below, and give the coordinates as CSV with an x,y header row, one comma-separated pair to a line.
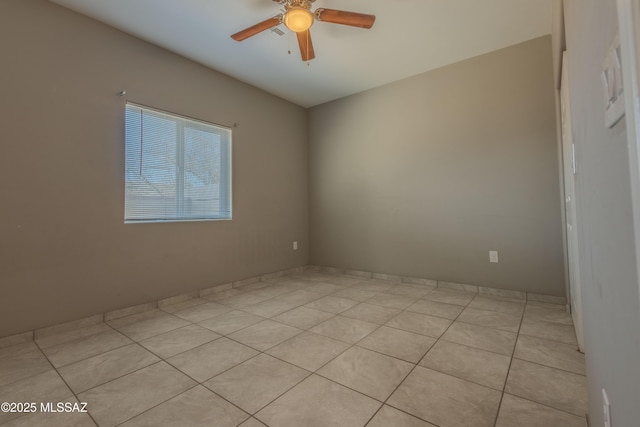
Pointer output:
x,y
408,38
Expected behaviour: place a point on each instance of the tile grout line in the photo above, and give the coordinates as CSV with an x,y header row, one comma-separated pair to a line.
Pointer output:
x,y
131,341
538,364
546,406
506,378
418,364
315,372
198,383
356,344
119,376
163,402
33,375
311,373
547,366
272,400
201,383
75,395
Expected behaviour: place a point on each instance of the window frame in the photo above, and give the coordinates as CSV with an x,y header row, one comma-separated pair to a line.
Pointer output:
x,y
226,167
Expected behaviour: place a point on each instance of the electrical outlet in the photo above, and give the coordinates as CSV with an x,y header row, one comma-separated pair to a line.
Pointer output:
x,y
295,245
606,408
493,256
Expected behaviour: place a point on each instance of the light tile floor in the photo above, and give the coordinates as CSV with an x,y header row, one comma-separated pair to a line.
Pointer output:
x,y
306,350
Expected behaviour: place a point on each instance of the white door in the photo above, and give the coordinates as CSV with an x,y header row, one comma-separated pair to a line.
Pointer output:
x,y
569,168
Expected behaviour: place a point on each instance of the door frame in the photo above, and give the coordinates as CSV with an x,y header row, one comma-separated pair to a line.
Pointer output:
x,y
629,29
569,170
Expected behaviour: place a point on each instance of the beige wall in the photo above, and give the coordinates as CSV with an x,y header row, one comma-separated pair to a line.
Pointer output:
x,y
424,176
64,250
607,251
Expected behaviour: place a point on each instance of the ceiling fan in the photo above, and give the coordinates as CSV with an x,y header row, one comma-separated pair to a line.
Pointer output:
x,y
297,17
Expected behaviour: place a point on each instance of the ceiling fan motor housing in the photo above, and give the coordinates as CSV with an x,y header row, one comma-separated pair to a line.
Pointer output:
x,y
305,4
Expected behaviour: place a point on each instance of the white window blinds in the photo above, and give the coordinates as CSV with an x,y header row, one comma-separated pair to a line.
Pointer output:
x,y
176,169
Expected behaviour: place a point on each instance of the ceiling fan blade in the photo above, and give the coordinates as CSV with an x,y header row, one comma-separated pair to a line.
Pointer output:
x,y
306,46
258,28
345,18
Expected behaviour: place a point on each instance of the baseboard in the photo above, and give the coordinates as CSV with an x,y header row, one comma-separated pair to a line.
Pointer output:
x,y
28,336
476,288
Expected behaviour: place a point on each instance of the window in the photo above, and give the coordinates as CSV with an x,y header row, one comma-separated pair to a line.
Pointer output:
x,y
176,169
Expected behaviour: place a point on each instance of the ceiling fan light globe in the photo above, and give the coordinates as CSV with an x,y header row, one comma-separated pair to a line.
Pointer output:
x,y
298,19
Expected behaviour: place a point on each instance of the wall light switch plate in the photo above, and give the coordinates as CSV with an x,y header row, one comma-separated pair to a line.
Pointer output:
x,y
493,256
295,245
613,87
